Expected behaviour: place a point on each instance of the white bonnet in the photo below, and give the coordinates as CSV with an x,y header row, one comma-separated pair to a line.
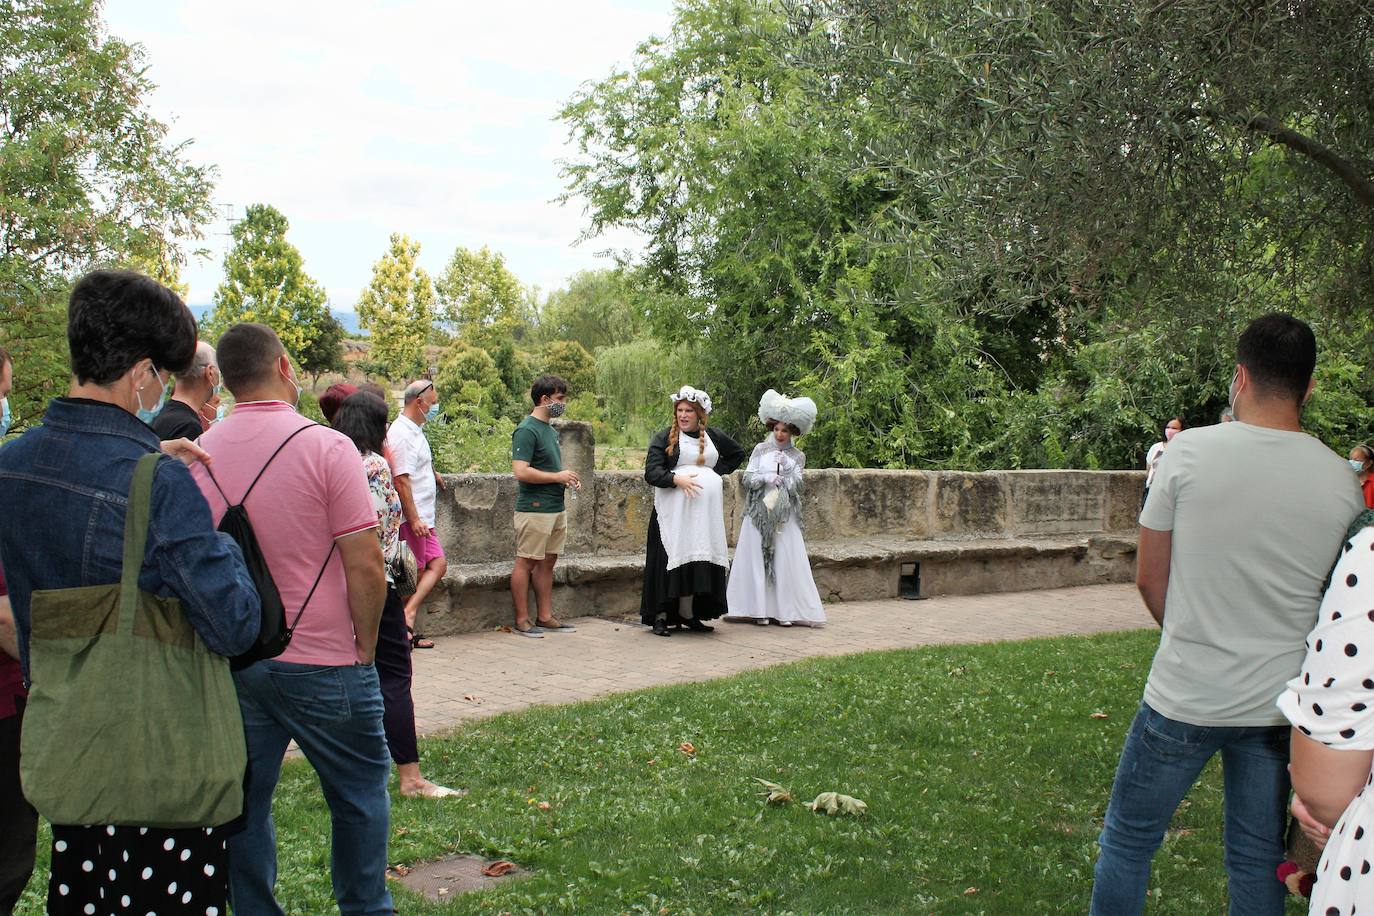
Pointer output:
x,y
694,395
798,412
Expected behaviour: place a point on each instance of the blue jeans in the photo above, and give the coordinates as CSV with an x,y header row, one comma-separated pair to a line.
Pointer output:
x,y
1159,764
335,715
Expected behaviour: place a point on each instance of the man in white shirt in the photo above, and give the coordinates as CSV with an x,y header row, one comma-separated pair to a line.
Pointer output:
x,y
1242,524
413,471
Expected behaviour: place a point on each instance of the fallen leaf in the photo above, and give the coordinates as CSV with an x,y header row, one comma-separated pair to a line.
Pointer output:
x,y
775,793
652,762
544,806
833,803
503,629
1098,715
498,868
401,870
687,748
970,890
472,699
443,891
401,831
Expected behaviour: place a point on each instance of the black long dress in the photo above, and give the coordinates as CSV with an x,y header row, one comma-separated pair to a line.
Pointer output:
x,y
703,580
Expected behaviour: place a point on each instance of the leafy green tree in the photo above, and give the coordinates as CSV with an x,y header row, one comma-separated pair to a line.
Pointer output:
x,y
598,308
569,360
265,281
325,353
397,309
479,298
1013,234
469,378
87,176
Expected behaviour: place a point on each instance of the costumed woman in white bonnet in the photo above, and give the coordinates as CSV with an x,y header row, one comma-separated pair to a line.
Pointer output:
x,y
771,576
685,559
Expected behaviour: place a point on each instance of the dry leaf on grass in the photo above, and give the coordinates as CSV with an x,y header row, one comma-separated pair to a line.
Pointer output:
x,y
399,871
833,803
1098,715
775,793
498,868
543,806
970,891
687,748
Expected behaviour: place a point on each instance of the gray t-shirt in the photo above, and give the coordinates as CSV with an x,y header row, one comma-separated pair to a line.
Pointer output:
x,y
1257,517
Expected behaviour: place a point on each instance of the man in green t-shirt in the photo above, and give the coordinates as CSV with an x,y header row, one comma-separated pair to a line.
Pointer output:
x,y
541,523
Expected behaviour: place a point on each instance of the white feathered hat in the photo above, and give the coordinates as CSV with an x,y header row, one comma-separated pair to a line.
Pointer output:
x,y
798,412
694,395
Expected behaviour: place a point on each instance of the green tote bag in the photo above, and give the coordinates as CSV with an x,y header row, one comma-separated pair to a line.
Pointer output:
x,y
131,719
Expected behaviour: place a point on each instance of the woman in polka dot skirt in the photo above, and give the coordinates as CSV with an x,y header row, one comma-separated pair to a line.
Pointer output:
x,y
138,870
1331,706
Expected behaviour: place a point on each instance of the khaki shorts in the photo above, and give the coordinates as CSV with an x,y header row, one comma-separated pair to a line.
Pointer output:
x,y
540,533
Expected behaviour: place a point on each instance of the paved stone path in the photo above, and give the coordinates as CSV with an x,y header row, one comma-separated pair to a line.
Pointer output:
x,y
481,674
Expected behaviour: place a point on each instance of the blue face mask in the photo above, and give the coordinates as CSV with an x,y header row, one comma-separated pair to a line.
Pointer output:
x,y
148,414
1356,464
4,416
219,414
432,412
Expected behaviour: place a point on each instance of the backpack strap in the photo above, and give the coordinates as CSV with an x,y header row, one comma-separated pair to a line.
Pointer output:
x,y
260,472
311,594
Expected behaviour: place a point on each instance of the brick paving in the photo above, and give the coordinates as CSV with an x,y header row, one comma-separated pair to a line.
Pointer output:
x,y
481,674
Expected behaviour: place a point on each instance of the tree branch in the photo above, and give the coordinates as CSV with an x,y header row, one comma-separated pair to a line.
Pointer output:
x,y
1361,186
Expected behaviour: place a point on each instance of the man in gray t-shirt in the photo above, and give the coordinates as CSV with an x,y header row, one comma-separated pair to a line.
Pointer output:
x,y
1241,527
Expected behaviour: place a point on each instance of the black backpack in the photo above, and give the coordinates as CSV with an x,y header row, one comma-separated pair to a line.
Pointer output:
x,y
274,635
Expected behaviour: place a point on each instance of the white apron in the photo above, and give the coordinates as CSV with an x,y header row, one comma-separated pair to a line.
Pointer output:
x,y
693,528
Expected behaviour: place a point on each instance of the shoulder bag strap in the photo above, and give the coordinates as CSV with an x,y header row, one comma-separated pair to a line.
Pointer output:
x,y
136,518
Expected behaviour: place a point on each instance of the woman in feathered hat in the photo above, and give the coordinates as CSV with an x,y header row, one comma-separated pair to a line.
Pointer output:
x,y
771,576
686,561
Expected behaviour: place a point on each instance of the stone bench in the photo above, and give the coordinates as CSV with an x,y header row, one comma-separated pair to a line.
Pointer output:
x,y
476,596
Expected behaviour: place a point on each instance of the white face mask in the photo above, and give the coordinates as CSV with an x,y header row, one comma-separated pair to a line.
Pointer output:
x,y
296,403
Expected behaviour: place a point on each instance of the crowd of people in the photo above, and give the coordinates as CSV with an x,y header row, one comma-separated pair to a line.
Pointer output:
x,y
297,555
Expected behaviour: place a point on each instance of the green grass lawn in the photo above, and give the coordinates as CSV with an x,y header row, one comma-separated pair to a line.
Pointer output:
x,y
984,769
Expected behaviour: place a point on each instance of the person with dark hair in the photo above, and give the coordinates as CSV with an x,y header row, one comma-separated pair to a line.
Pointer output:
x,y
1236,539
1156,452
1362,461
541,523
686,559
303,487
362,418
180,418
126,334
333,398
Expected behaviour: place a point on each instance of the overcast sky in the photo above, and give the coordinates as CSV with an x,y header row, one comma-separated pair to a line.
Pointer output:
x,y
358,119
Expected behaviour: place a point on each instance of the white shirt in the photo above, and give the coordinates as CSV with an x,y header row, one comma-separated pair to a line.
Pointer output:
x,y
410,455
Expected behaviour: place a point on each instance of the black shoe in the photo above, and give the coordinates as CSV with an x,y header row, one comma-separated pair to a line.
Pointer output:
x,y
697,626
661,627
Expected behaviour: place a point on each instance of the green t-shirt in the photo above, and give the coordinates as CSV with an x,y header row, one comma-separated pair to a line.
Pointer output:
x,y
536,442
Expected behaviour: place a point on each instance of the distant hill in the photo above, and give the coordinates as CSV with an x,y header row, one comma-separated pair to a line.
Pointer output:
x,y
348,319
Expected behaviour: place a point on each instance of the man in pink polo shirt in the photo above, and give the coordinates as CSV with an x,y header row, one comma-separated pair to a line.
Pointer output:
x,y
312,514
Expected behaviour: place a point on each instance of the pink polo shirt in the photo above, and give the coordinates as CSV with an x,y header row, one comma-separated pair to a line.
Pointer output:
x,y
313,492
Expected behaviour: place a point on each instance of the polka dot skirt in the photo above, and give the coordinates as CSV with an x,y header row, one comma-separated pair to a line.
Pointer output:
x,y
1332,701
146,871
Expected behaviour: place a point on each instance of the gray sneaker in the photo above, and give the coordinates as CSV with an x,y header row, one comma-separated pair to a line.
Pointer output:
x,y
530,630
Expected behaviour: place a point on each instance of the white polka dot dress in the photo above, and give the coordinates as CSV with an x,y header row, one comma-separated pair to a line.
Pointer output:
x,y
138,870
1332,701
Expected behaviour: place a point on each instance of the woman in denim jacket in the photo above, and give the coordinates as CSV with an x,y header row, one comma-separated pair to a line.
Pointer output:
x,y
64,487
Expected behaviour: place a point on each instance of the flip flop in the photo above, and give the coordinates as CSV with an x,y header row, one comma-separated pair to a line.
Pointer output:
x,y
553,624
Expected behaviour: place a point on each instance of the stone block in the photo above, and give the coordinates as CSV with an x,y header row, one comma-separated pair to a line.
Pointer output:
x,y
623,505
1056,502
473,515
819,492
578,448
1124,492
969,505
880,502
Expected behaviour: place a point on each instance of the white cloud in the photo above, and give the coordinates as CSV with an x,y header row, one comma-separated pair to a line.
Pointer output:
x,y
358,120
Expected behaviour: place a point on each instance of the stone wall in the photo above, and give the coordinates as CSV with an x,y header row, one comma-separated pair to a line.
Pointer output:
x,y
611,513
957,532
